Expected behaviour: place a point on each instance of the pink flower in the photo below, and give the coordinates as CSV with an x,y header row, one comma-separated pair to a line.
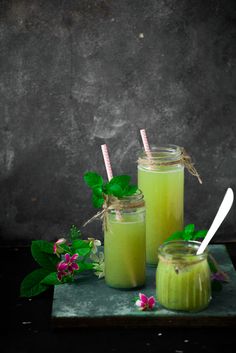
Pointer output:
x,y
67,267
56,246
145,303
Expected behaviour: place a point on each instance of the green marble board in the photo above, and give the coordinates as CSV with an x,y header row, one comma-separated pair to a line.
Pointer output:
x,y
89,302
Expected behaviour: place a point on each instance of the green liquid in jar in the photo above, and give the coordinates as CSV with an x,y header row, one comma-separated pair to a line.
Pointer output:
x,y
183,284
163,191
124,250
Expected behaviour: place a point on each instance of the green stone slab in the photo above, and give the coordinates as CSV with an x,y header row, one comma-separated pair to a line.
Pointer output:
x,y
89,302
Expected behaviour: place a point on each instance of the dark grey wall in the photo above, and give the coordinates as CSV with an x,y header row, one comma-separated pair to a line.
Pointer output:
x,y
75,74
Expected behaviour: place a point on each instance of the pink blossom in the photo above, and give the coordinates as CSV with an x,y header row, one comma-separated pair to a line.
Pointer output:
x,y
67,267
56,246
145,303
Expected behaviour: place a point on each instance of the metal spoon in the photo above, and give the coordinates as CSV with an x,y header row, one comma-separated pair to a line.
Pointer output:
x,y
220,216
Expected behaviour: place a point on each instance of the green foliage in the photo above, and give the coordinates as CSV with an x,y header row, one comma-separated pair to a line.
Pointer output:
x,y
75,233
31,284
188,233
43,252
119,186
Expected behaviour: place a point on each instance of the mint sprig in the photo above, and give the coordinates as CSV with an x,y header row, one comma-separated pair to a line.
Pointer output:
x,y
187,234
119,186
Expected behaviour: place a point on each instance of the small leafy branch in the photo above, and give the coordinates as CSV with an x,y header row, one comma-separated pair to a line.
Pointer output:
x,y
119,186
187,234
61,262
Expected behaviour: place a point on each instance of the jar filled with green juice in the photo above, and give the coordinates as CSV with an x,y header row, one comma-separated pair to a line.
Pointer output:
x,y
124,242
161,179
183,278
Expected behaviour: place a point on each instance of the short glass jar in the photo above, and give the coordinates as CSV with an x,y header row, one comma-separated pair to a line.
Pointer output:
x,y
183,278
124,242
161,179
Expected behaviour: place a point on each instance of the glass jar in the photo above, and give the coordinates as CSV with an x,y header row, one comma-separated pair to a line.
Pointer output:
x,y
124,242
183,278
161,179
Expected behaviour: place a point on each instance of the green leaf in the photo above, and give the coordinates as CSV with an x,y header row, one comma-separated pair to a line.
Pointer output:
x,y
75,233
93,179
97,201
200,234
121,180
83,251
44,246
79,243
189,229
175,236
115,189
51,279
98,191
83,266
131,190
31,284
42,257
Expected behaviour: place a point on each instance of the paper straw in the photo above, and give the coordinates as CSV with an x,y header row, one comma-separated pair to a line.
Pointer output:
x,y
145,143
109,171
107,161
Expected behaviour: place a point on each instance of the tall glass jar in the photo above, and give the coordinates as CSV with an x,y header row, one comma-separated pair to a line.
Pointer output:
x,y
161,179
124,242
183,279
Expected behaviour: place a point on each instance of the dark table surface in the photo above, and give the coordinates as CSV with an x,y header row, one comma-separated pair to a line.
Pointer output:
x,y
26,323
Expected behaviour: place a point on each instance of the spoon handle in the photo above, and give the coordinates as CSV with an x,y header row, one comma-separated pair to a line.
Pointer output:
x,y
220,216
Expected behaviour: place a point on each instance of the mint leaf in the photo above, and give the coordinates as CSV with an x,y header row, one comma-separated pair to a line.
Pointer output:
x,y
31,284
98,191
121,180
131,190
97,201
200,234
93,179
115,189
75,233
189,229
175,236
43,258
51,279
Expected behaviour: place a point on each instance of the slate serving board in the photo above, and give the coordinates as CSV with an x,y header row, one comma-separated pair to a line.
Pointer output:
x,y
89,302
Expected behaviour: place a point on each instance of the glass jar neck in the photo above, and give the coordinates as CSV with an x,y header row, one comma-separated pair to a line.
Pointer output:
x,y
181,251
133,201
162,155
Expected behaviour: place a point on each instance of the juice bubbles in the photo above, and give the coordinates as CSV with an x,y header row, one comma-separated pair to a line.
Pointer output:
x,y
182,277
161,179
124,244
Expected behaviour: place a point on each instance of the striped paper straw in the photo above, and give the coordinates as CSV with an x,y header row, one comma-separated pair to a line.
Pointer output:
x,y
145,143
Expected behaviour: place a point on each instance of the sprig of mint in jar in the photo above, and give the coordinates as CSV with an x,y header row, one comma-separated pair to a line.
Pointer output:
x,y
119,186
62,262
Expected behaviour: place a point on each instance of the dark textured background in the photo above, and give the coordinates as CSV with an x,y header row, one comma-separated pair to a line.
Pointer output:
x,y
75,74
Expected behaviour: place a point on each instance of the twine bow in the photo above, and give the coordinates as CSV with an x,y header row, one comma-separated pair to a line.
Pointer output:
x,y
113,203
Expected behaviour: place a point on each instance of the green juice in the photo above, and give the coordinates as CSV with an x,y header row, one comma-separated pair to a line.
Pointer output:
x,y
124,249
163,190
183,282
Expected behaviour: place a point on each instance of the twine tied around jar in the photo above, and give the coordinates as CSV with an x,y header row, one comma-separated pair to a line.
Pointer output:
x,y
184,159
113,203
